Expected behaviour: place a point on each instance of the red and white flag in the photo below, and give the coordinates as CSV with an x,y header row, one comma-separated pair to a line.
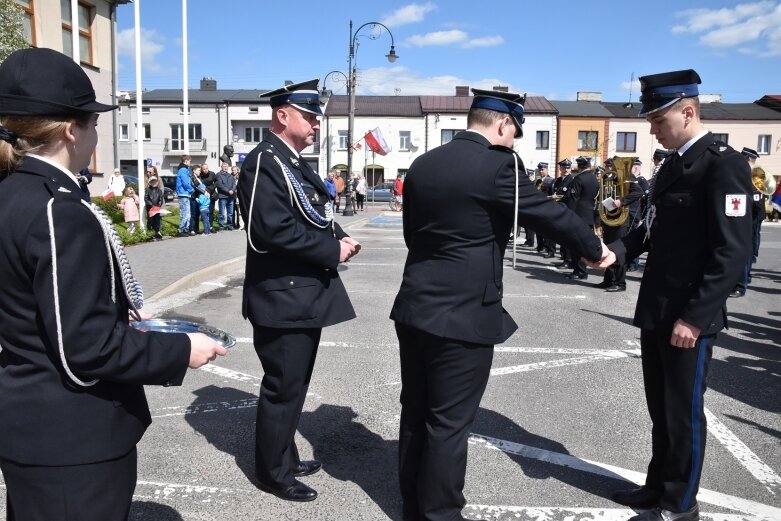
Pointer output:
x,y
376,142
108,194
156,210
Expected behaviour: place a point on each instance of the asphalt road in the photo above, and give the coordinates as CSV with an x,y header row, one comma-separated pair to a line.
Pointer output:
x,y
562,423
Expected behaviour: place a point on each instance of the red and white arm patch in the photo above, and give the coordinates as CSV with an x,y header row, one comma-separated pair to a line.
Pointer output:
x,y
735,205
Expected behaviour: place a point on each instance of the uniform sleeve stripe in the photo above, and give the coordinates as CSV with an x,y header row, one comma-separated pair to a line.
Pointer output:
x,y
56,298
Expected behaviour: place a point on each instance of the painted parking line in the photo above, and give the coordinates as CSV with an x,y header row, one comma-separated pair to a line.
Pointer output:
x,y
499,513
189,410
230,373
760,511
550,364
167,491
563,350
761,471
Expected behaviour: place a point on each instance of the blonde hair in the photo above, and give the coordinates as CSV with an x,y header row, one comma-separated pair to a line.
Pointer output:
x,y
33,133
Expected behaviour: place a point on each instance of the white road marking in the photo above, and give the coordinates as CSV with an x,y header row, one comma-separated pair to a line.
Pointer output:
x,y
218,284
351,263
186,296
498,512
565,297
564,350
168,491
763,473
761,511
561,363
230,373
185,410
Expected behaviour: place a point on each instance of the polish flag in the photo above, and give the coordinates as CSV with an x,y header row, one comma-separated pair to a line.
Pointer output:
x,y
376,142
108,194
156,210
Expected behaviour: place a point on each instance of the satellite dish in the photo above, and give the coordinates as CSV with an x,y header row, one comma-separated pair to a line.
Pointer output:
x,y
415,142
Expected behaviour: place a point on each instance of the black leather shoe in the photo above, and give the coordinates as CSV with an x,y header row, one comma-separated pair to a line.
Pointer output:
x,y
305,468
737,293
642,497
548,255
295,492
659,514
603,285
578,276
528,244
615,289
631,268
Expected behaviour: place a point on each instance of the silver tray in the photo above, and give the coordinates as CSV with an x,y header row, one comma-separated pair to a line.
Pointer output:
x,y
172,325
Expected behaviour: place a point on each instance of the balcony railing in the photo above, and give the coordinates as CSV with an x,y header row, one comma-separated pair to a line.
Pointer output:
x,y
177,145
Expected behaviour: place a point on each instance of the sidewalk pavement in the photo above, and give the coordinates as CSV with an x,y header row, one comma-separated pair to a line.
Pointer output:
x,y
177,263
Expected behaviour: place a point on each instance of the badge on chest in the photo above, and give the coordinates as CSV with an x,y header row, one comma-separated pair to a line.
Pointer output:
x,y
735,205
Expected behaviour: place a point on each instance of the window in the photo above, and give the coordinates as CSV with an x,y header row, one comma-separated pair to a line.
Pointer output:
x,y
145,110
404,140
447,135
763,144
543,140
252,134
181,111
724,138
253,110
626,141
587,139
84,14
266,132
177,137
124,134
402,172
194,133
342,140
147,131
28,20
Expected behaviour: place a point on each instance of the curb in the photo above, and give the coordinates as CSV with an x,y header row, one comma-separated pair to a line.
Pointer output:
x,y
222,268
193,279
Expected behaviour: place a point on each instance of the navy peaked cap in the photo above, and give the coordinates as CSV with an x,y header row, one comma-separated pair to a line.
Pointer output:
x,y
504,102
749,153
565,163
303,96
659,91
660,153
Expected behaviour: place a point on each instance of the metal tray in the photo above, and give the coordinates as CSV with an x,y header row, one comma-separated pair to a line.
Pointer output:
x,y
172,325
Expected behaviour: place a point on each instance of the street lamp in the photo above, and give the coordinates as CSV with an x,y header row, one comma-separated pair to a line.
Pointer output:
x,y
392,57
324,97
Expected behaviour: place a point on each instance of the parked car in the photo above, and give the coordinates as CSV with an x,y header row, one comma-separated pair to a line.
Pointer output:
x,y
380,192
168,193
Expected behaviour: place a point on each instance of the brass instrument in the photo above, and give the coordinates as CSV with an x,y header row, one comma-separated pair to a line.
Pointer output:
x,y
763,181
614,184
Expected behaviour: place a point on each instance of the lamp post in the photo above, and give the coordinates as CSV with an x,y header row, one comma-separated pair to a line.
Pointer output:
x,y
325,95
392,57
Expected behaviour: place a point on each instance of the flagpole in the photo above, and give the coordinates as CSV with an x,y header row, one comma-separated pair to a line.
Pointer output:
x,y
141,164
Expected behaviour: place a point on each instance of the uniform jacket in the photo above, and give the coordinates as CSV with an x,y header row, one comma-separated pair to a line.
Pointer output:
x,y
561,185
458,213
64,320
582,196
695,250
225,183
291,278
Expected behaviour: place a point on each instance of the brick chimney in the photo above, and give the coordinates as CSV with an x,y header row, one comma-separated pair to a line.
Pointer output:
x,y
501,88
208,83
462,90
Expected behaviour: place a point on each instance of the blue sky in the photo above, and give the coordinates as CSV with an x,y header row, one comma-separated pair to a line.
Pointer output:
x,y
551,48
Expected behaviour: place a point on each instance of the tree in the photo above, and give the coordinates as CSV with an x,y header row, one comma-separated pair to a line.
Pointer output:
x,y
11,35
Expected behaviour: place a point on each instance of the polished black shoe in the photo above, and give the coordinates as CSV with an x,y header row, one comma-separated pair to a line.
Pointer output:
x,y
631,268
539,250
528,244
305,468
615,288
603,285
548,255
659,514
578,276
642,497
737,293
295,492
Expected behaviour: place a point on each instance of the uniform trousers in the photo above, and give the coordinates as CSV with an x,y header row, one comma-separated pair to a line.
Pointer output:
x,y
91,492
442,381
288,357
675,383
616,273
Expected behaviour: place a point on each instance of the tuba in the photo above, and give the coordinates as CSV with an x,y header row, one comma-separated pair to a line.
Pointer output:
x,y
614,184
763,181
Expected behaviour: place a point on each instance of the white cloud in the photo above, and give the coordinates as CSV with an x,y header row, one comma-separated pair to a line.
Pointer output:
x,y
408,14
383,81
437,38
757,24
634,85
486,41
151,47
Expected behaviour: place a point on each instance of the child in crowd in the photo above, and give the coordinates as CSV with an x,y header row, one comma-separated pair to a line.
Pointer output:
x,y
204,203
129,204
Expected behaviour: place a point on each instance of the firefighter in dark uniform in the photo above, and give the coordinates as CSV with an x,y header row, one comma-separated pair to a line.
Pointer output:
x,y
447,324
581,199
545,185
291,287
758,200
561,186
72,370
697,233
615,276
